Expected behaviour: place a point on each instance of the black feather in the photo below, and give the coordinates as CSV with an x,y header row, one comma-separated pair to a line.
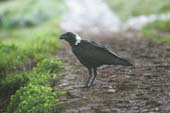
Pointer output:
x,y
93,55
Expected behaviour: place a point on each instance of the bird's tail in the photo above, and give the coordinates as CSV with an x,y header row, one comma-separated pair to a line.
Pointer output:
x,y
124,62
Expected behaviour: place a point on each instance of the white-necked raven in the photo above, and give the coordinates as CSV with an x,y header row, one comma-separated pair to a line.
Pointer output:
x,y
92,55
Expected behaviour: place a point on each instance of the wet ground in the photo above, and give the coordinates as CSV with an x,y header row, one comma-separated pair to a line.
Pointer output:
x,y
143,88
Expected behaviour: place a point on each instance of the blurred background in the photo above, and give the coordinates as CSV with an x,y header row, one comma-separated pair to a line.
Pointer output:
x,y
30,28
85,15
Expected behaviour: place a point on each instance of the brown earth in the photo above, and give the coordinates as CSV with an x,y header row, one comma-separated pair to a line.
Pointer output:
x,y
143,88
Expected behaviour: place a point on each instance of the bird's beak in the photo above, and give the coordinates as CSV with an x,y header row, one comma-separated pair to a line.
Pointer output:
x,y
62,36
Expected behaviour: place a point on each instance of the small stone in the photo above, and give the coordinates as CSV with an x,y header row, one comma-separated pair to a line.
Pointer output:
x,y
64,84
110,87
111,90
105,110
156,109
84,97
144,110
113,76
127,76
136,108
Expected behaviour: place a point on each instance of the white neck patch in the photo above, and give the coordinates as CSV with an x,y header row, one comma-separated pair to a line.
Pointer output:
x,y
78,39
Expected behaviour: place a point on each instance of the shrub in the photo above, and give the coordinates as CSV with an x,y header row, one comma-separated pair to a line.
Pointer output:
x,y
48,65
26,63
11,56
34,88
12,82
45,70
33,99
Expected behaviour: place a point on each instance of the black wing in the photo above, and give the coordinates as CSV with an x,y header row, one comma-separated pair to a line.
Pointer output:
x,y
95,53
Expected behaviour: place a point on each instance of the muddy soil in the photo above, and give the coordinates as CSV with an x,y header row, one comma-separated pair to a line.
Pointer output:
x,y
143,88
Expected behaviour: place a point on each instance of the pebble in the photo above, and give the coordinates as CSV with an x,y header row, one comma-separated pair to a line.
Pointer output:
x,y
156,109
63,84
111,90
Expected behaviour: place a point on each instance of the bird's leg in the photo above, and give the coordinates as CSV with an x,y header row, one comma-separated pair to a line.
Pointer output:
x,y
90,76
95,73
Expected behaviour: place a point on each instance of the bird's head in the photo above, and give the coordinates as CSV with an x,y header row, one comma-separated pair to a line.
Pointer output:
x,y
72,38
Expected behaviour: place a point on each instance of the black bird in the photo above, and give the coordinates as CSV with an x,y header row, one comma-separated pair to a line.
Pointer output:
x,y
92,55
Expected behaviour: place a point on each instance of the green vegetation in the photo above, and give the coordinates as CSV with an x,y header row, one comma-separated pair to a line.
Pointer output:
x,y
36,96
127,8
27,13
159,30
160,25
32,99
28,42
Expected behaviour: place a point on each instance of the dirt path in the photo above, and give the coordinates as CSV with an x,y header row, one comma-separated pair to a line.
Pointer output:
x,y
144,88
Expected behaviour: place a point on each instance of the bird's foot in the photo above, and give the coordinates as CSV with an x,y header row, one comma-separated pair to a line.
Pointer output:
x,y
92,84
83,86
86,86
